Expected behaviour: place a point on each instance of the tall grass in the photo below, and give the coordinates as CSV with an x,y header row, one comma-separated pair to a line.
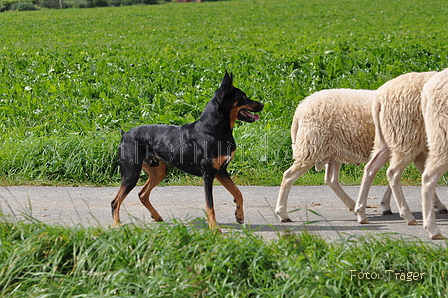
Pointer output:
x,y
68,158
83,74
180,260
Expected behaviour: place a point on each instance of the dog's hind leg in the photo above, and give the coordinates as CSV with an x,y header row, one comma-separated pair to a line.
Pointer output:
x,y
224,178
155,176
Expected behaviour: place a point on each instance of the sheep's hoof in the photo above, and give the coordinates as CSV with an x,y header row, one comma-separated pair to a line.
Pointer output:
x,y
438,237
412,223
387,212
365,221
287,220
443,211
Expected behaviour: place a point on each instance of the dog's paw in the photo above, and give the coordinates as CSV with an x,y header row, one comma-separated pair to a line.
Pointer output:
x,y
157,218
239,215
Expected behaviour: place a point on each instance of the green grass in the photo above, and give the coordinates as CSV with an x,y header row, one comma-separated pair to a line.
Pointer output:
x,y
71,78
182,260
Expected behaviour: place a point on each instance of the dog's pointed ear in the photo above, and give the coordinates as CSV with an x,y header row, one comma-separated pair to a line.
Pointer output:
x,y
227,82
225,87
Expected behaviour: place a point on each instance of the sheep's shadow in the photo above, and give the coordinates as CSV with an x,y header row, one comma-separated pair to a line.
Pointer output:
x,y
301,227
442,218
315,225
379,223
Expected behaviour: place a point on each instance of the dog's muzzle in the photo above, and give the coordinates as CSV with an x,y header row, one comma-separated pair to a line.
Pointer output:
x,y
245,114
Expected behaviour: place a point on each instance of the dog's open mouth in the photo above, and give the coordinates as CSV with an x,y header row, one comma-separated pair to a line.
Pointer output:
x,y
245,115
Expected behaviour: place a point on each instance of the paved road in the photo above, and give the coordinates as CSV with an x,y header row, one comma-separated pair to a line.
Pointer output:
x,y
91,206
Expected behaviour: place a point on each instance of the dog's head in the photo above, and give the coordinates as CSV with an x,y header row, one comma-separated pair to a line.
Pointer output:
x,y
235,103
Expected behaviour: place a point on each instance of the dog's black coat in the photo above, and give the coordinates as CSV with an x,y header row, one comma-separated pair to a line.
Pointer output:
x,y
202,148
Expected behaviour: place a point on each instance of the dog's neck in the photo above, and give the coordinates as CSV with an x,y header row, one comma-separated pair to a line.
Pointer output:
x,y
212,120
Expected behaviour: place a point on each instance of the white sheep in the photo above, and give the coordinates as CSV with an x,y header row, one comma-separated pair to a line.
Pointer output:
x,y
435,114
399,136
330,127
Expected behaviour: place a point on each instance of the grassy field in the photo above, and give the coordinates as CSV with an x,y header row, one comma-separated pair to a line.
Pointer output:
x,y
70,79
178,260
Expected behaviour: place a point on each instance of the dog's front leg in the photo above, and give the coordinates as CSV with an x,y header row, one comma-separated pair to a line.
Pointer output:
x,y
224,178
208,185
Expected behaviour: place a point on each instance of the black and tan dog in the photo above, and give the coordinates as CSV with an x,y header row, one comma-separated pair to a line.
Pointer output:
x,y
202,148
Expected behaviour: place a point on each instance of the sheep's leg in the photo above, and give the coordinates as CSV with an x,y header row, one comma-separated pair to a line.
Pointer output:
x,y
289,177
420,165
396,168
332,179
385,202
430,178
372,167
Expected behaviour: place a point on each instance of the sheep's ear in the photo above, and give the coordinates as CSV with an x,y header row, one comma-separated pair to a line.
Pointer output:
x,y
225,88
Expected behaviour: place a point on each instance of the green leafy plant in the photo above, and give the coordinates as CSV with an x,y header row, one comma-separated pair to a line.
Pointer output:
x,y
19,5
78,76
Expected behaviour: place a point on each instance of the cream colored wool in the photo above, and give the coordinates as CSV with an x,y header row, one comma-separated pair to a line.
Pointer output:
x,y
435,109
330,127
398,115
400,137
333,123
435,112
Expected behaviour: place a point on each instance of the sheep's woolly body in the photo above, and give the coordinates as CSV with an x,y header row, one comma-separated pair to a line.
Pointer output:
x,y
329,128
435,111
400,137
397,113
333,125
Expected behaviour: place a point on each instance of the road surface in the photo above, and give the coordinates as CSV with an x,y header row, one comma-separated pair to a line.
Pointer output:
x,y
319,210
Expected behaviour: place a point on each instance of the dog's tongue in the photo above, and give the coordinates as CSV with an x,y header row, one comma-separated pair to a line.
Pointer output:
x,y
253,116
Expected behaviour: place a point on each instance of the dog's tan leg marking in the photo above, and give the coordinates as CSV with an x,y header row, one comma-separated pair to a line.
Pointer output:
x,y
155,176
212,223
222,160
236,193
116,203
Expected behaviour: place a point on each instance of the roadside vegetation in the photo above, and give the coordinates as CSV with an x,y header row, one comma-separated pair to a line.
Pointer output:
x,y
23,5
181,260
